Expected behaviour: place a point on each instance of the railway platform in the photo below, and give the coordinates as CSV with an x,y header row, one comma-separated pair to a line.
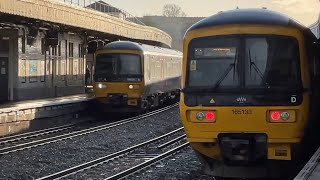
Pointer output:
x,y
311,171
21,116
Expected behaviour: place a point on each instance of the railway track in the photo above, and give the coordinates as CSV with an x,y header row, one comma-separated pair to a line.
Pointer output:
x,y
130,160
39,142
34,134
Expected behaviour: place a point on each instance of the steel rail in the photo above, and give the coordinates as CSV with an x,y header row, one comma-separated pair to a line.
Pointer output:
x,y
32,134
171,142
104,159
40,142
147,163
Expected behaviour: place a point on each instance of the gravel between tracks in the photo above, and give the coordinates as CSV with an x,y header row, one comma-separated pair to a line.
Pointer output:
x,y
183,165
51,158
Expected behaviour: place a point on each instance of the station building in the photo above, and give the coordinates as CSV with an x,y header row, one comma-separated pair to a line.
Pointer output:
x,y
45,46
35,64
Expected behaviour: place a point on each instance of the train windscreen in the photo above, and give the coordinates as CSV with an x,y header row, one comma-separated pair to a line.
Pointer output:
x,y
118,68
244,61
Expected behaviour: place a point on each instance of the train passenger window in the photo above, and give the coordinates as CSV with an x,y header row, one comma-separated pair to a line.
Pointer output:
x,y
152,68
147,65
157,69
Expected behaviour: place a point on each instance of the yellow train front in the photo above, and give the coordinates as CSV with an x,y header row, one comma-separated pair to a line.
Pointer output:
x,y
134,77
250,90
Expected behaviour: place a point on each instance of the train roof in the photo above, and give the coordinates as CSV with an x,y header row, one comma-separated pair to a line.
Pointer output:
x,y
128,45
247,16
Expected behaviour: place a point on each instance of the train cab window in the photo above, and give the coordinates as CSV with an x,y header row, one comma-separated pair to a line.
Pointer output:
x,y
210,59
244,61
129,64
118,68
271,61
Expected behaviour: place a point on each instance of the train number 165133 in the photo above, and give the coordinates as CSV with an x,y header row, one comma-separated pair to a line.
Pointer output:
x,y
241,111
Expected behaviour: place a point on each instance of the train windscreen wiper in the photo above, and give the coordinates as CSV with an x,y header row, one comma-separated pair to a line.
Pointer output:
x,y
210,88
227,71
217,84
224,75
254,67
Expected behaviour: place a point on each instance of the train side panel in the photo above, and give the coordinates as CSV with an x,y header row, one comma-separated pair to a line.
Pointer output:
x,y
162,73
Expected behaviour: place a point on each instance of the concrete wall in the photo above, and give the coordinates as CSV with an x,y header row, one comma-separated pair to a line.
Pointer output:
x,y
175,27
23,119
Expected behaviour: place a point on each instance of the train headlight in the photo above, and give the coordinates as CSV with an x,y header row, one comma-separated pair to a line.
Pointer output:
x,y
200,116
208,116
134,86
285,116
101,86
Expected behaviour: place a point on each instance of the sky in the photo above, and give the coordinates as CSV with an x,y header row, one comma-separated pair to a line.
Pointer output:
x,y
304,11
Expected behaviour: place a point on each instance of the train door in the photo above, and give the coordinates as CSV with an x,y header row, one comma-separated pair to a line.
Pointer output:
x,y
4,67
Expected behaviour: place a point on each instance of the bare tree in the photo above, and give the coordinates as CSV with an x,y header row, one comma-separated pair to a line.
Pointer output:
x,y
173,10
183,14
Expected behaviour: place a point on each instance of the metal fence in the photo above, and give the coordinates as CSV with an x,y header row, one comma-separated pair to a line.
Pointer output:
x,y
104,7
